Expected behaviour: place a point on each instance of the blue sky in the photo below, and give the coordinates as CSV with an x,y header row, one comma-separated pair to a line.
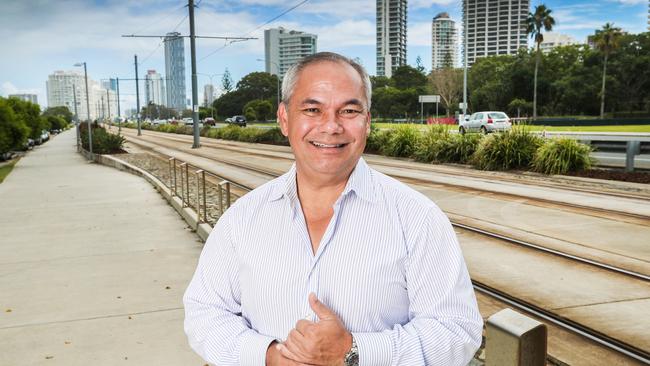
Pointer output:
x,y
41,36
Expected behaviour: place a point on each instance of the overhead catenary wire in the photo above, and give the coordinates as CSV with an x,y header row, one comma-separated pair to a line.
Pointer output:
x,y
255,29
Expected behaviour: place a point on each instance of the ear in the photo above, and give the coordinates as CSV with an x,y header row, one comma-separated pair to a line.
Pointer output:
x,y
283,119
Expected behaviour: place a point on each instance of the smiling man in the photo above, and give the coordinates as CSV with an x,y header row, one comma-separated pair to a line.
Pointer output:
x,y
333,263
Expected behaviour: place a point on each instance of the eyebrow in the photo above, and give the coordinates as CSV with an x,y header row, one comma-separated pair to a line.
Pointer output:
x,y
353,101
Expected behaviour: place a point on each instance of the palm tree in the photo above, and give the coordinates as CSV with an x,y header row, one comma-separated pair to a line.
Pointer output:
x,y
536,23
607,40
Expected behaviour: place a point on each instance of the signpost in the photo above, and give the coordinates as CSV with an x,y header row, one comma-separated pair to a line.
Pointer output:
x,y
428,99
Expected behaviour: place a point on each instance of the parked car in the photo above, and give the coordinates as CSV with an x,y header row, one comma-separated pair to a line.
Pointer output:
x,y
188,121
485,122
45,135
157,122
209,121
237,120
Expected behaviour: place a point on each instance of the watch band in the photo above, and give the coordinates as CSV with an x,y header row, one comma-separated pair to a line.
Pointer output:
x,y
352,357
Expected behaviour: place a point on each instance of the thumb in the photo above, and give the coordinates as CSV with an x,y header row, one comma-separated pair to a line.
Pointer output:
x,y
321,310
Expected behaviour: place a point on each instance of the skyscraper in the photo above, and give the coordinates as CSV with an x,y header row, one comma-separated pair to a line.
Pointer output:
x,y
283,48
62,87
175,71
444,42
154,88
391,36
208,95
494,27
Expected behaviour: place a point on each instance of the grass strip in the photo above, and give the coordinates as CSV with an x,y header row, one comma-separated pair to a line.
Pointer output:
x,y
6,169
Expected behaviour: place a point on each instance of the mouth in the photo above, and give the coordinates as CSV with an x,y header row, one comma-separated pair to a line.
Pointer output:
x,y
327,146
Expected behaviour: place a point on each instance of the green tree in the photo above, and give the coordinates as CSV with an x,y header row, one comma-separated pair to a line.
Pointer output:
x,y
13,132
536,23
155,111
419,66
60,111
405,77
56,122
226,81
30,114
379,82
607,41
448,83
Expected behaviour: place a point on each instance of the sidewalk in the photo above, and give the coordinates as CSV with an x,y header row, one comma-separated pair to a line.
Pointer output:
x,y
93,265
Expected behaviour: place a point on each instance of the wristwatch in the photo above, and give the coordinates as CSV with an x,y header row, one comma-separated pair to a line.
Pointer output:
x,y
352,357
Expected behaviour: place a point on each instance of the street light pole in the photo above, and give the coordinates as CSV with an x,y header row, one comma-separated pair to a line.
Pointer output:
x,y
195,93
90,134
210,76
465,30
76,116
119,115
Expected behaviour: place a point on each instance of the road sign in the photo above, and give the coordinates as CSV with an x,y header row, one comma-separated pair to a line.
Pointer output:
x,y
461,105
429,99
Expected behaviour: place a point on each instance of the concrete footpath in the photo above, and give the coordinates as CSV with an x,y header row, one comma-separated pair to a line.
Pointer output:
x,y
93,265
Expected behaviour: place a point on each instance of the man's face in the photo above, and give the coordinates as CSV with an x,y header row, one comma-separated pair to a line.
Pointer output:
x,y
327,120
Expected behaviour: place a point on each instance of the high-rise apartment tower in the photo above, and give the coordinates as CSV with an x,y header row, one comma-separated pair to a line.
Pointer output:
x,y
494,27
283,48
154,88
175,70
391,36
444,42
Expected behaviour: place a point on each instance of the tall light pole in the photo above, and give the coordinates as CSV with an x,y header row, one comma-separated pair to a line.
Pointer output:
x,y
278,76
76,116
90,133
465,31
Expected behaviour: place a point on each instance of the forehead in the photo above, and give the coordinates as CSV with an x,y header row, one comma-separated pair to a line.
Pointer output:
x,y
329,78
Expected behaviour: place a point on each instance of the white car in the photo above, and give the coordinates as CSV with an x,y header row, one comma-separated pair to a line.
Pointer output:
x,y
188,121
158,122
485,122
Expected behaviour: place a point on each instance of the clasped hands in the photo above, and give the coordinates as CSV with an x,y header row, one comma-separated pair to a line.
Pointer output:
x,y
323,343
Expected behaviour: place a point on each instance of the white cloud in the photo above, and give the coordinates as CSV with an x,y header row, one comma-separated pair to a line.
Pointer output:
x,y
8,88
419,34
631,2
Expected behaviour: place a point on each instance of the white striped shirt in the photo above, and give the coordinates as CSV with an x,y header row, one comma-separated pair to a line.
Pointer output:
x,y
389,265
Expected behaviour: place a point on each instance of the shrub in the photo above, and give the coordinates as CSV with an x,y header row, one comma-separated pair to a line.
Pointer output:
x,y
402,142
562,155
428,146
231,132
103,141
377,139
13,132
184,130
509,150
273,136
249,134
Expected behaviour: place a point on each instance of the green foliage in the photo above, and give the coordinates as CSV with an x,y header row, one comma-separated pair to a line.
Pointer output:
x,y
408,77
273,136
377,139
509,150
402,142
563,155
13,131
155,111
61,111
440,146
258,109
56,122
104,142
226,81
29,114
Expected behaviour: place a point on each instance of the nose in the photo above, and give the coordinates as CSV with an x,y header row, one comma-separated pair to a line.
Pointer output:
x,y
331,123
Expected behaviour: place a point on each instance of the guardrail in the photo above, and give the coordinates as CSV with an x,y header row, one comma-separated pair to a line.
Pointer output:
x,y
205,184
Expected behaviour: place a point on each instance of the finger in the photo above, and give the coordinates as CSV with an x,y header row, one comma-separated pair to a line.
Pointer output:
x,y
321,310
296,345
298,338
303,326
285,352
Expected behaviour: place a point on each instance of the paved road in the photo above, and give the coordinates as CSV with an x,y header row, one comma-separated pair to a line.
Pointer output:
x,y
93,265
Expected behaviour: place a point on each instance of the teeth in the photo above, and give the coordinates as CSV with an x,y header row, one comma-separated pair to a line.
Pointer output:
x,y
325,145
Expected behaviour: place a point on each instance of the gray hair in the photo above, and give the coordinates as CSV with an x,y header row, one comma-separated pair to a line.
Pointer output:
x,y
291,76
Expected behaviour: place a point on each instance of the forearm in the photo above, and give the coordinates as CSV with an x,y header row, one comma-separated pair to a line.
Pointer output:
x,y
428,341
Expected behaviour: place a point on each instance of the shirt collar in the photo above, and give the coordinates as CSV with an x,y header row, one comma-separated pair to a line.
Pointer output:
x,y
360,182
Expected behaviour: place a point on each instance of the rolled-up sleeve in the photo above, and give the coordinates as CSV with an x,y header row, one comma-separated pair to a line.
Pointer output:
x,y
445,325
213,322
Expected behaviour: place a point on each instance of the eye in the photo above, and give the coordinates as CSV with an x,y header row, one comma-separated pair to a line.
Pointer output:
x,y
311,111
350,112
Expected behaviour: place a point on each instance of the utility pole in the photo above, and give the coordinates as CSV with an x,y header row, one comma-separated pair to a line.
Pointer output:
x,y
137,95
195,92
76,116
108,107
119,115
465,21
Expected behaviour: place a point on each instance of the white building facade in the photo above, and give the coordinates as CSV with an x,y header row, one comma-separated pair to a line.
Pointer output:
x,y
283,48
208,95
391,36
444,42
32,98
494,27
63,87
552,40
154,88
